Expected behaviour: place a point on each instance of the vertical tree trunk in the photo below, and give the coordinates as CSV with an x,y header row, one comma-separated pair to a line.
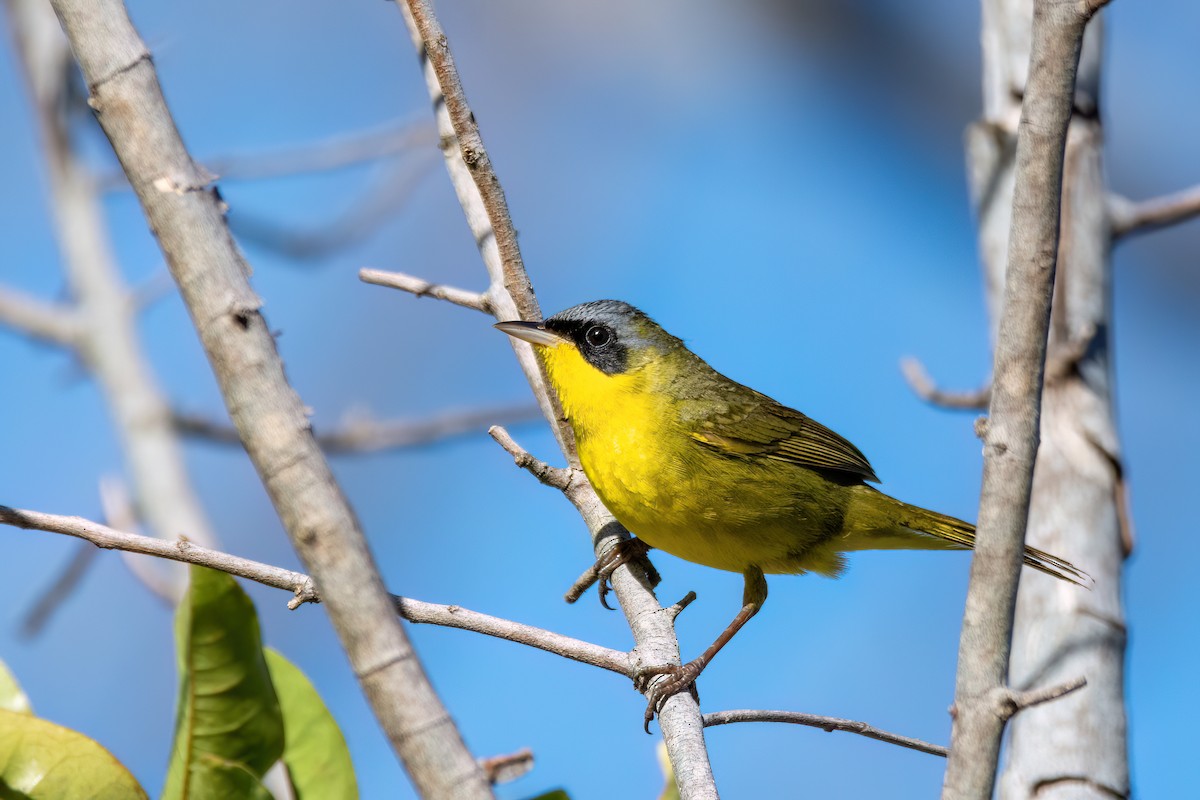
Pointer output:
x,y
1075,746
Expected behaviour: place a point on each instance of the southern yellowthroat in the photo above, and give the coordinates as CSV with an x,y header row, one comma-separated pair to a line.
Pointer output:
x,y
714,472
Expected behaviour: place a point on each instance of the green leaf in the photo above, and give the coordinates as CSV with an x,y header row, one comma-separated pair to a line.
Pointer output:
x,y
556,794
43,761
228,727
11,696
316,756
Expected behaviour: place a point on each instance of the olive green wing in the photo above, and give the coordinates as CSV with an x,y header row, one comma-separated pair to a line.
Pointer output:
x,y
747,423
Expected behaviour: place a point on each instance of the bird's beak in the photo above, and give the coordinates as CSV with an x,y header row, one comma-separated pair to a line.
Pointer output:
x,y
532,332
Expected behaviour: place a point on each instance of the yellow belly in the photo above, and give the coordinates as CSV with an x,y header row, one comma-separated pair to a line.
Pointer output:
x,y
684,500
675,494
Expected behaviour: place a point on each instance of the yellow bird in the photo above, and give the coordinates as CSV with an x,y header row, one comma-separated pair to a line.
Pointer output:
x,y
716,473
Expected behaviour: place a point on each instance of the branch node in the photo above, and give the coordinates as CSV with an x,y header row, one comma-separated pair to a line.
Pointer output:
x,y
305,592
1007,702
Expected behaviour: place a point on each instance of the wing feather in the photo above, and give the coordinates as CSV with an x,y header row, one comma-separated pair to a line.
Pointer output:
x,y
760,426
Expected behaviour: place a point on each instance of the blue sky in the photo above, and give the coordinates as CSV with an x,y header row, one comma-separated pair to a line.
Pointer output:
x,y
779,200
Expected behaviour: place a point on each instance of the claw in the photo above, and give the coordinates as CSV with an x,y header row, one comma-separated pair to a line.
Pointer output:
x,y
681,678
622,553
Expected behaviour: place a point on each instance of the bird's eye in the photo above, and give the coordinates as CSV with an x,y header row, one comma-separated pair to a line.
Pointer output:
x,y
598,336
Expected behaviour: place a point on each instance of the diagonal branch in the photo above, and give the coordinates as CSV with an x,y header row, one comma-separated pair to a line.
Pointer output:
x,y
511,297
1128,217
47,322
362,434
188,220
828,724
303,587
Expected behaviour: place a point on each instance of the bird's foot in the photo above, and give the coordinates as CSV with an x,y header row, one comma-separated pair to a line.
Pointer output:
x,y
622,553
659,692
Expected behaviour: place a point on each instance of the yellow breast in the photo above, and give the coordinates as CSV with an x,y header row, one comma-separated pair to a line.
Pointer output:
x,y
651,474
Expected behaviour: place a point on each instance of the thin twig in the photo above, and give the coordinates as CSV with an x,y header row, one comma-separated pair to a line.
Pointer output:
x,y
47,322
555,477
361,434
506,768
305,591
1128,217
423,288
924,387
380,203
1008,702
584,582
336,152
829,724
58,592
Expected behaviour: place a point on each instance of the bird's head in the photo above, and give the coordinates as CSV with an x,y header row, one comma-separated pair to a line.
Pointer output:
x,y
598,347
609,335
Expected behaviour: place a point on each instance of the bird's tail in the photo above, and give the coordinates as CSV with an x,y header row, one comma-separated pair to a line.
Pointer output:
x,y
921,529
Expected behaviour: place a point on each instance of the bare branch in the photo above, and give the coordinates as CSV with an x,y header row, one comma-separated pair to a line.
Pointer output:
x,y
1011,435
511,297
584,582
555,477
1008,702
303,586
38,319
502,769
924,387
423,288
336,152
1128,217
378,205
58,592
360,433
828,724
188,218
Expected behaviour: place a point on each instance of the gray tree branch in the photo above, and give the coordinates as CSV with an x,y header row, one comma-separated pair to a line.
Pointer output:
x,y
47,322
1128,217
362,434
827,724
188,219
304,589
924,387
335,152
510,296
423,288
1012,434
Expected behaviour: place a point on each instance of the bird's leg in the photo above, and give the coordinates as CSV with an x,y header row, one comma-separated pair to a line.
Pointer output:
x,y
622,552
754,594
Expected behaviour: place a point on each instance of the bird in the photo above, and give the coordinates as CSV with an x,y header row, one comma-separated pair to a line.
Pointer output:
x,y
714,472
